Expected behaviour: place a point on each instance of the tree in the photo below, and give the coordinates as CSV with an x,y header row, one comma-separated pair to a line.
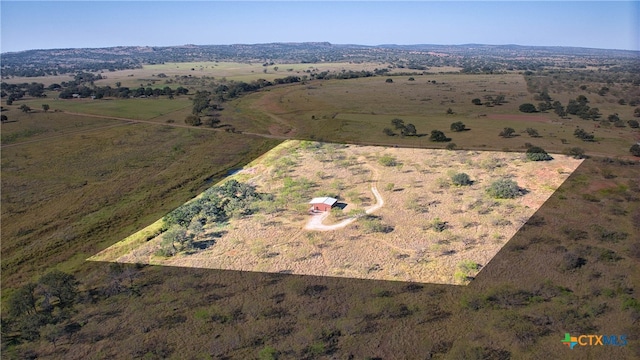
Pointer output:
x,y
24,108
389,80
536,153
635,150
398,123
438,136
461,179
60,285
532,132
527,108
558,109
192,120
613,117
409,130
504,189
476,101
411,79
633,124
457,126
22,301
51,333
507,132
4,118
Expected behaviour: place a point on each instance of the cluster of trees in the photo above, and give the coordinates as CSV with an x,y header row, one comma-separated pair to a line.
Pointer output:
x,y
13,92
576,106
490,100
217,204
100,92
405,129
42,308
580,108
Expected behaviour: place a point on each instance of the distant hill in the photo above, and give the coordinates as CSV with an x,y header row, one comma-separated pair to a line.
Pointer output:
x,y
473,57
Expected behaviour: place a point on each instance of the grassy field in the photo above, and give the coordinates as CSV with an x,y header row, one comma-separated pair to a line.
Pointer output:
x,y
247,72
140,109
417,194
358,110
114,179
67,195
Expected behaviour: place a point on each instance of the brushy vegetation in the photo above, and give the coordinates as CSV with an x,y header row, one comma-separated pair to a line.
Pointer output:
x,y
461,179
504,189
536,153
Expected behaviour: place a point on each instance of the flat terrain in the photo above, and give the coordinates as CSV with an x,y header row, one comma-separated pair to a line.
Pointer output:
x,y
358,110
418,193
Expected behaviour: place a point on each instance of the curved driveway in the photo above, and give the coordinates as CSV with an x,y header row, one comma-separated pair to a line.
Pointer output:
x,y
315,223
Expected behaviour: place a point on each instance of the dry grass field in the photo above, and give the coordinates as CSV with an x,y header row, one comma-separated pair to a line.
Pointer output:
x,y
418,195
358,110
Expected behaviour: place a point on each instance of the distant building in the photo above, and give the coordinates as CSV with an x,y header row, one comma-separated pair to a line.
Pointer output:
x,y
322,203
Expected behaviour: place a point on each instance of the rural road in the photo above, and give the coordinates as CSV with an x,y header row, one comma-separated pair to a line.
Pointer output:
x,y
315,223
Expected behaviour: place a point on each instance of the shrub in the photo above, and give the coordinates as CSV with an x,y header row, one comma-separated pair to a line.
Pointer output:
x,y
438,136
476,101
504,189
461,179
192,120
451,146
507,132
457,126
527,108
536,153
635,150
387,160
389,80
373,224
438,225
388,132
583,135
633,124
532,132
576,152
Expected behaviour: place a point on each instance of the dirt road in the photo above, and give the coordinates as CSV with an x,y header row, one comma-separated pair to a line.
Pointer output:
x,y
315,223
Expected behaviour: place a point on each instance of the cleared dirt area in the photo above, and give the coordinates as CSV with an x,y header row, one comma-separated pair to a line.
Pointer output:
x,y
429,230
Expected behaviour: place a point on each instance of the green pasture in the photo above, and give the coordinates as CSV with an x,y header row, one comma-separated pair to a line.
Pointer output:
x,y
139,109
35,125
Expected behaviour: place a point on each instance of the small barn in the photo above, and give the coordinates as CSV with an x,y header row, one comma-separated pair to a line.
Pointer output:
x,y
322,203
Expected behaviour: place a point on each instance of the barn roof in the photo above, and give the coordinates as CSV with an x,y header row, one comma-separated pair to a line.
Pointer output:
x,y
323,200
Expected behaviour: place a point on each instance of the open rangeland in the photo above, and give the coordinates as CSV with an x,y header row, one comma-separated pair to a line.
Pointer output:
x,y
429,227
358,111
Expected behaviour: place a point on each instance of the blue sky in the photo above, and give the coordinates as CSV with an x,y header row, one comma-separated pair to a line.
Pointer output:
x,y
74,24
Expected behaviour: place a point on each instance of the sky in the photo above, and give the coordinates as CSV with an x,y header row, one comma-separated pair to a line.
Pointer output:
x,y
26,25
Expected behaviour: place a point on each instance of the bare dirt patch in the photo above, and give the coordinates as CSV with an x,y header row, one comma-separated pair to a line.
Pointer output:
x,y
427,230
